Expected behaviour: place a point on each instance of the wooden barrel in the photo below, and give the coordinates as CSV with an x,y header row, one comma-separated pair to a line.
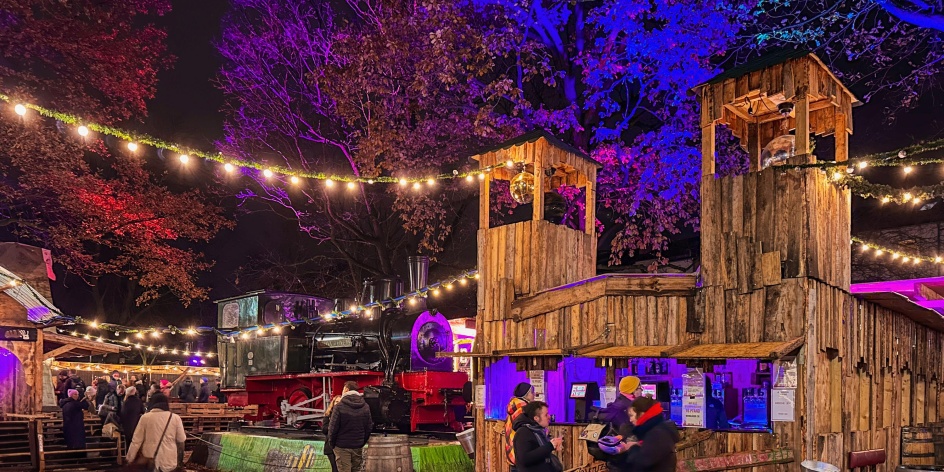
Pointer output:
x,y
917,445
937,433
388,454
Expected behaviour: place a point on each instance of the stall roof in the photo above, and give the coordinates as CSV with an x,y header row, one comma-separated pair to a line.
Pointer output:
x,y
764,350
530,352
38,308
628,351
57,345
921,300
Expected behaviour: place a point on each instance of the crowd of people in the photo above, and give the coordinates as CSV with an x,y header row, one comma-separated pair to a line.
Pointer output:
x,y
639,439
136,410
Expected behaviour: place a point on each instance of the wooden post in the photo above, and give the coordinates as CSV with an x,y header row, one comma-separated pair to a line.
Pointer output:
x,y
842,138
754,146
708,149
34,450
590,219
485,204
537,150
802,112
41,454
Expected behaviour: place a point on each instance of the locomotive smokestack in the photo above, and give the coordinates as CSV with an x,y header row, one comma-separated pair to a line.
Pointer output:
x,y
419,270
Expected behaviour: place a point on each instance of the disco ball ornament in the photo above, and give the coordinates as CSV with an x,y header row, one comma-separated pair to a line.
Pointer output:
x,y
522,187
778,150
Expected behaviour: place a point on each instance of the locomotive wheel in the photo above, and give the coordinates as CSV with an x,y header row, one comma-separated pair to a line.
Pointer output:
x,y
300,395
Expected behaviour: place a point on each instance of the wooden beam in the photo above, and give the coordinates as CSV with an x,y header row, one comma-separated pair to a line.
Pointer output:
x,y
59,350
754,146
802,113
581,350
677,349
484,200
541,150
738,460
740,113
708,149
842,138
788,347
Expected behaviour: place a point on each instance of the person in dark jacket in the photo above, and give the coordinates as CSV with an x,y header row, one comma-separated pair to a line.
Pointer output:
x,y
187,392
654,447
523,394
73,420
63,385
350,427
111,408
204,396
617,412
131,411
715,417
101,390
326,427
115,380
534,451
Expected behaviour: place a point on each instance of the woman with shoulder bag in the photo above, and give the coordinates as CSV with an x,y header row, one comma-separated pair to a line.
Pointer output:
x,y
158,441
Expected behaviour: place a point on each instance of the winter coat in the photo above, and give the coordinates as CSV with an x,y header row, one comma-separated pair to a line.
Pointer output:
x,y
62,388
514,410
204,393
112,405
533,449
73,422
131,412
101,390
187,392
350,423
148,433
616,414
656,452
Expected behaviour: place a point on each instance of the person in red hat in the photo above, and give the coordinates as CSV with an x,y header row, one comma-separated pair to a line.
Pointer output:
x,y
653,449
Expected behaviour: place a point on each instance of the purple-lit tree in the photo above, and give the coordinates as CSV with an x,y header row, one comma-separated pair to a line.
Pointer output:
x,y
367,89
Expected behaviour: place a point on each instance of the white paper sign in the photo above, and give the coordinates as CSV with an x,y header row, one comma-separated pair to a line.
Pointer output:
x,y
607,395
782,404
480,396
536,379
693,399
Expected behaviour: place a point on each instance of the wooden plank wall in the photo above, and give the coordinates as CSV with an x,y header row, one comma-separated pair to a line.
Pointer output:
x,y
624,320
512,265
876,369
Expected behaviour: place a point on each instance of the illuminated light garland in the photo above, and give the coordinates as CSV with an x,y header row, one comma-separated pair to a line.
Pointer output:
x,y
895,158
135,140
879,251
888,194
244,333
138,346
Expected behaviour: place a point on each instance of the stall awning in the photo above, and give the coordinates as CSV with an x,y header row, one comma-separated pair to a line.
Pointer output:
x,y
764,350
463,354
57,345
530,353
628,351
923,312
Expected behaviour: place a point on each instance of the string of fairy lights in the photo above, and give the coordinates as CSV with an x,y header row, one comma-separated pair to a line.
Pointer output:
x,y
880,251
133,142
137,337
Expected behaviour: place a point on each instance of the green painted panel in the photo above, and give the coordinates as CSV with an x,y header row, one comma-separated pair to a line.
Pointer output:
x,y
243,453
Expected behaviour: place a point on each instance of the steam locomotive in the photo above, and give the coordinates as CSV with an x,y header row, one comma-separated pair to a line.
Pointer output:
x,y
292,373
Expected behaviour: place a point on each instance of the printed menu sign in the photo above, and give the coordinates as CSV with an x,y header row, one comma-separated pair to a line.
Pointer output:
x,y
693,399
536,379
782,404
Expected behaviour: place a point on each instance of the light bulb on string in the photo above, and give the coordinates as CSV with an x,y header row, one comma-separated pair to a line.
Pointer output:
x,y
837,175
895,255
879,252
481,176
191,331
267,173
469,178
94,324
351,186
917,261
865,248
402,182
132,146
156,334
329,183
139,335
431,182
886,199
184,158
905,259
82,130
294,180
509,163
370,181
863,164
435,292
20,109
907,170
463,281
228,167
906,196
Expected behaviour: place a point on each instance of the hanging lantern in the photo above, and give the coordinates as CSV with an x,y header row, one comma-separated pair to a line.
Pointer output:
x,y
522,187
778,150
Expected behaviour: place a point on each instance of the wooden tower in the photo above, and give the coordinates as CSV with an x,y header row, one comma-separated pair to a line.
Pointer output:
x,y
775,241
524,257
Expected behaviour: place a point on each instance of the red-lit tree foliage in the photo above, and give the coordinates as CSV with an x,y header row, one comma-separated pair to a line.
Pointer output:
x,y
101,213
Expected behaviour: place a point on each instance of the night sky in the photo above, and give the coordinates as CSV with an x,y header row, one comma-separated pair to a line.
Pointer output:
x,y
186,110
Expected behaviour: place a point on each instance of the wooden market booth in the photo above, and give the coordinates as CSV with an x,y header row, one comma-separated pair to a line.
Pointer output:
x,y
773,294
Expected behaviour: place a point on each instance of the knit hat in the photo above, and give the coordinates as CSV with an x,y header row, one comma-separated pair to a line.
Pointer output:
x,y
204,379
73,391
165,383
628,385
159,400
522,389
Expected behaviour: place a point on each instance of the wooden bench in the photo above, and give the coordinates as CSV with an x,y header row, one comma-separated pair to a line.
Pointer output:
x,y
16,451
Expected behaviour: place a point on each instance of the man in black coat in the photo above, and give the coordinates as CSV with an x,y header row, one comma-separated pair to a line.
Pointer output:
x,y
534,451
204,396
187,392
73,420
349,429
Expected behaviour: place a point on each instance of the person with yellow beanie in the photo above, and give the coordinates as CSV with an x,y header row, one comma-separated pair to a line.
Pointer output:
x,y
616,413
